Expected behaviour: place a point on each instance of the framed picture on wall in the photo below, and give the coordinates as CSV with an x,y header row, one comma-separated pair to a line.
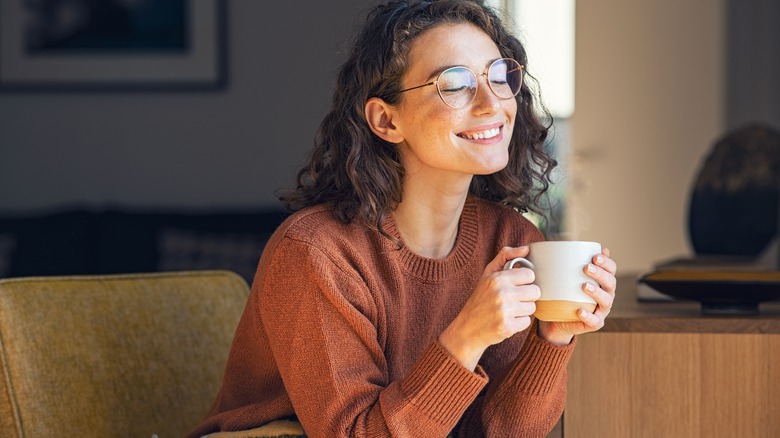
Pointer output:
x,y
107,45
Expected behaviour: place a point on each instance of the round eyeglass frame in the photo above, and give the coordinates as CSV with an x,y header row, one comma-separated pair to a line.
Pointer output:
x,y
476,76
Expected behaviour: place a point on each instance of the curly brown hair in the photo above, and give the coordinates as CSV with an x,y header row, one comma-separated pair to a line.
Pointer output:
x,y
360,174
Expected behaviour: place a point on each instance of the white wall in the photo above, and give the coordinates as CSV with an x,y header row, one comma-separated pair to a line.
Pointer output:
x,y
649,104
229,148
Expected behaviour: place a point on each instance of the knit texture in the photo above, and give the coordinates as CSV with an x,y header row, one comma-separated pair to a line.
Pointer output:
x,y
341,331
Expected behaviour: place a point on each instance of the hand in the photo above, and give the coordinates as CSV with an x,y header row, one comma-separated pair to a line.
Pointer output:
x,y
602,270
500,306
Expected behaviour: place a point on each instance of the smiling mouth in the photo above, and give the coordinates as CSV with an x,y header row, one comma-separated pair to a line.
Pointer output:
x,y
480,135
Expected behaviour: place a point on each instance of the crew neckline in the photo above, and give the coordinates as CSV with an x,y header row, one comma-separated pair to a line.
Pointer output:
x,y
435,270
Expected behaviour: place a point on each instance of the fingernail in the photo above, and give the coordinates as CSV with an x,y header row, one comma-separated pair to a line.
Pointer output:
x,y
583,313
599,259
591,269
590,287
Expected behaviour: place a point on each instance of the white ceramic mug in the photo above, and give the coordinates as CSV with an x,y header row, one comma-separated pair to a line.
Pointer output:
x,y
559,272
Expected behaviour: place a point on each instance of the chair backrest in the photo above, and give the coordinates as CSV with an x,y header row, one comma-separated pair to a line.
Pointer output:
x,y
114,355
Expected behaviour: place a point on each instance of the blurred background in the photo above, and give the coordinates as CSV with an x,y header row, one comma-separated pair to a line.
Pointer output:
x,y
216,111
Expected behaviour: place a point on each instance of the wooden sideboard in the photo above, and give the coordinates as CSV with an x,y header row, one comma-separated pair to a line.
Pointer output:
x,y
661,369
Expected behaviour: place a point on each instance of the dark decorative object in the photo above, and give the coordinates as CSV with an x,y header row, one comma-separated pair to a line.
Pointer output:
x,y
720,293
734,227
736,198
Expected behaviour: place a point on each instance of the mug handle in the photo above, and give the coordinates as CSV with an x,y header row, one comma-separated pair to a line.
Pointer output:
x,y
518,261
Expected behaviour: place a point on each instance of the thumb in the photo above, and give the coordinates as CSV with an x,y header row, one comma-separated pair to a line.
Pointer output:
x,y
506,254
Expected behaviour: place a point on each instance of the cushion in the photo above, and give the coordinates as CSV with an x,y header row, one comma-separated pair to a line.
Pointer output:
x,y
114,355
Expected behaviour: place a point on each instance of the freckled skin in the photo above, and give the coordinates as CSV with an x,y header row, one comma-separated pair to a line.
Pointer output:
x,y
432,148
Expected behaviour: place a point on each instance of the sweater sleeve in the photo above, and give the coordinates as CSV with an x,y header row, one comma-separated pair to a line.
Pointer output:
x,y
528,399
319,322
527,390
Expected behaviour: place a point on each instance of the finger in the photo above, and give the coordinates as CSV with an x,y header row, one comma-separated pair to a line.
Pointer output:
x,y
506,254
606,263
604,299
519,324
512,252
605,251
524,309
604,278
591,320
528,293
519,276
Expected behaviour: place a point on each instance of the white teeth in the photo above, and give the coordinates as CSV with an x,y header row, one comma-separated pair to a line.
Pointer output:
x,y
488,133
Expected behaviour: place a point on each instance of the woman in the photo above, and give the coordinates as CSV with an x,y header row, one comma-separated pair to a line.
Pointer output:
x,y
380,308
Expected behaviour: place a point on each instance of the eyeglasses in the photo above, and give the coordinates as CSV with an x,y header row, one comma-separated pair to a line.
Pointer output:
x,y
458,85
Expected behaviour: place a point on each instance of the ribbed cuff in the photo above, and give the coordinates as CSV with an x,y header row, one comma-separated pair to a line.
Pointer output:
x,y
540,365
442,387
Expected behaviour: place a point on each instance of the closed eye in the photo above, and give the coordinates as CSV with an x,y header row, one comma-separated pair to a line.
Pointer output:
x,y
454,89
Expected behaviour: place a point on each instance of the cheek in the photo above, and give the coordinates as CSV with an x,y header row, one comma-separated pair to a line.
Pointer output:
x,y
434,123
511,110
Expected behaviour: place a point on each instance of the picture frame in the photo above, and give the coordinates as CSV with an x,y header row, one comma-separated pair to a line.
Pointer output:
x,y
116,46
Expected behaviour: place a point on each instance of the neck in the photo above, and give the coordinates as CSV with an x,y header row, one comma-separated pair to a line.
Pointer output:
x,y
428,219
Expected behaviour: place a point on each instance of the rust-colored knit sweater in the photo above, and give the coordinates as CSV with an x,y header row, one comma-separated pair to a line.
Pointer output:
x,y
341,330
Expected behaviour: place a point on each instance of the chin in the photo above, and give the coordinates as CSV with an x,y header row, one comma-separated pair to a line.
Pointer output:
x,y
491,169
496,165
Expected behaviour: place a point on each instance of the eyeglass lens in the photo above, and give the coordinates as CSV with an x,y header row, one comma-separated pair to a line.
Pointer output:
x,y
458,85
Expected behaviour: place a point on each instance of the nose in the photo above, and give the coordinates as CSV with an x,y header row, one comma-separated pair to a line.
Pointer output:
x,y
485,101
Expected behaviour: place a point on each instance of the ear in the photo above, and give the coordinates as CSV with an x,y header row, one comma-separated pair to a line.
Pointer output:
x,y
380,117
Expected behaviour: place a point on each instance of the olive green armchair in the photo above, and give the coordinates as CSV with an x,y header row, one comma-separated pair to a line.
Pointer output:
x,y
116,355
